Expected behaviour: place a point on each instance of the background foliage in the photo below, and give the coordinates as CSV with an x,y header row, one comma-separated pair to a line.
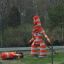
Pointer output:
x,y
16,21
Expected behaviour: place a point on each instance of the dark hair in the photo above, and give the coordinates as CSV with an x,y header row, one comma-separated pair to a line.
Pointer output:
x,y
20,52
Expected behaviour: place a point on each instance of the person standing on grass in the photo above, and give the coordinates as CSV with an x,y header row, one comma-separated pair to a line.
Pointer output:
x,y
37,39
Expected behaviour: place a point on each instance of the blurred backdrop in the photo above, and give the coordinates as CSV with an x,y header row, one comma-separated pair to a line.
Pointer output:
x,y
16,21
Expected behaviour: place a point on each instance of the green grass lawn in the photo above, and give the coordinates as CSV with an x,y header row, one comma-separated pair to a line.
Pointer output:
x,y
58,59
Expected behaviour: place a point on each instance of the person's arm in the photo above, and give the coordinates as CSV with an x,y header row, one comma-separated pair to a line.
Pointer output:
x,y
31,40
44,33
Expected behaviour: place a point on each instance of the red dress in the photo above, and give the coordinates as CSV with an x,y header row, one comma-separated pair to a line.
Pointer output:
x,y
6,55
38,42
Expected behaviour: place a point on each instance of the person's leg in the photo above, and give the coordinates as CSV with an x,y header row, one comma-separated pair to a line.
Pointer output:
x,y
43,51
34,51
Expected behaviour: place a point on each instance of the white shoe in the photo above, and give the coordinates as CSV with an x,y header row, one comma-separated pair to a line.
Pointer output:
x,y
42,56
